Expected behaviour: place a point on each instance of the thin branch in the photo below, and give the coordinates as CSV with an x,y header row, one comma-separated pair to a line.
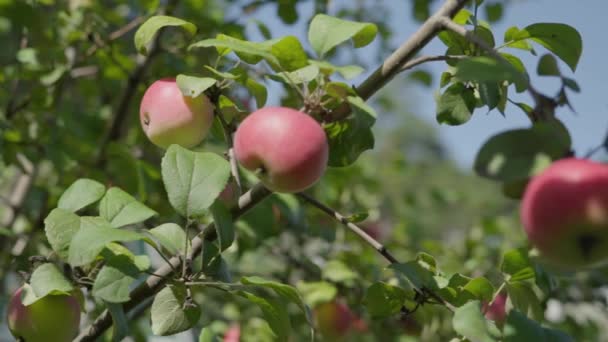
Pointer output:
x,y
424,59
154,283
380,248
234,168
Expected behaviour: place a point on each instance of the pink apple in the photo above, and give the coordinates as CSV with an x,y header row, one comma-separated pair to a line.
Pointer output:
x,y
52,318
564,212
497,311
233,334
168,117
287,147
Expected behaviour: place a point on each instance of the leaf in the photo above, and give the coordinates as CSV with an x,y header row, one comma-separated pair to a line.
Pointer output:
x,y
94,234
338,272
521,153
485,69
119,320
80,194
207,335
561,39
289,53
416,275
275,313
347,71
516,265
47,279
303,75
519,328
193,180
327,32
455,106
60,227
114,280
283,290
223,225
480,288
121,209
469,322
514,39
170,313
148,30
171,236
384,300
547,66
350,137
317,292
524,299
258,91
249,52
193,86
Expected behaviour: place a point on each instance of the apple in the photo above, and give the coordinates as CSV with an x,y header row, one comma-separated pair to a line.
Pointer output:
x,y
497,311
51,318
168,117
233,334
564,212
335,320
286,147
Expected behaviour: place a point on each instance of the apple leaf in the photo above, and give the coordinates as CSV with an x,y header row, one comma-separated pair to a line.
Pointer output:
x,y
223,225
302,75
249,52
519,328
522,296
193,180
516,265
547,66
469,322
47,279
148,30
479,288
121,209
485,69
346,71
171,312
384,300
171,236
119,320
193,86
314,293
274,311
456,105
80,194
121,269
326,32
60,226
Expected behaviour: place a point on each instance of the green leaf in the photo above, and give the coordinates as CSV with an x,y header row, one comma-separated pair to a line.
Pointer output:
x,y
521,153
455,106
194,86
47,279
121,269
561,39
60,227
350,137
207,335
317,292
80,194
514,38
485,69
249,52
338,272
119,320
148,30
384,300
516,265
275,313
290,53
170,313
347,71
469,322
283,290
121,209
193,180
519,328
416,275
494,11
171,236
524,299
223,225
327,32
94,234
547,66
423,77
480,288
303,75
258,90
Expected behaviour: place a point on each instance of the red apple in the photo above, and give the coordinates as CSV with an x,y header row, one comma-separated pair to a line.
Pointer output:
x,y
335,320
168,117
288,147
564,212
51,318
497,311
233,334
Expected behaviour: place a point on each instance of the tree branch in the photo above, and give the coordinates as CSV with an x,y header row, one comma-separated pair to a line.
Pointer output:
x,y
380,248
154,283
424,59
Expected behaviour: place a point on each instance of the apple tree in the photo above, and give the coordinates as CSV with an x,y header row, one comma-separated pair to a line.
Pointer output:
x,y
184,167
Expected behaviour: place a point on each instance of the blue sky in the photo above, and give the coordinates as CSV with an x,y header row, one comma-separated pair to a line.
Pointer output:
x,y
588,127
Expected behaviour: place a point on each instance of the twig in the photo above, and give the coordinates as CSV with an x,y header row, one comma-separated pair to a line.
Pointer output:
x,y
155,283
234,168
424,59
380,248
